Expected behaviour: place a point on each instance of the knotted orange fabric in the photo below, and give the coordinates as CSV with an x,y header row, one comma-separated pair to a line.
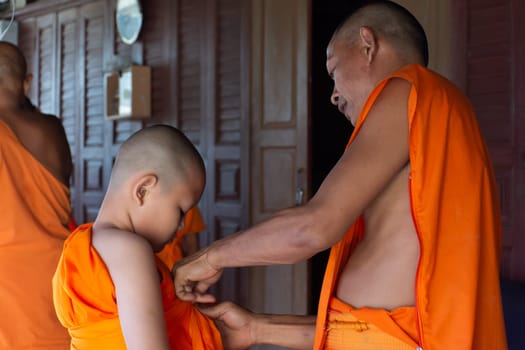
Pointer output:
x,y
456,214
172,251
34,209
85,302
383,330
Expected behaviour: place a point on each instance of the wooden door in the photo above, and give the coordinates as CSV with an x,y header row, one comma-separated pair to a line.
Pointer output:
x,y
489,47
212,109
92,151
279,146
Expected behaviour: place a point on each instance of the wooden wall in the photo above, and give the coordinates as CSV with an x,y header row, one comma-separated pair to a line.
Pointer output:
x,y
489,51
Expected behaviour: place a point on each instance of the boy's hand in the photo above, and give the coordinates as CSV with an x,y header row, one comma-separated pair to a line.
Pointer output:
x,y
234,323
193,276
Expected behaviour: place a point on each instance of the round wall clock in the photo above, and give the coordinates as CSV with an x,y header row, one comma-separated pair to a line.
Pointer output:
x,y
129,20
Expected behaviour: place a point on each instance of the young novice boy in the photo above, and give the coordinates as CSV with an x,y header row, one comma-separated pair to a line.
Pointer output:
x,y
109,289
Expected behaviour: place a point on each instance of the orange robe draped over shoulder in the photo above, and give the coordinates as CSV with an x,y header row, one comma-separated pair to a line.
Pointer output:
x,y
172,251
85,302
34,211
457,218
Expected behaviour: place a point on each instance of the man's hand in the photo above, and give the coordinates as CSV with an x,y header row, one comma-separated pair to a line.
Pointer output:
x,y
234,323
193,276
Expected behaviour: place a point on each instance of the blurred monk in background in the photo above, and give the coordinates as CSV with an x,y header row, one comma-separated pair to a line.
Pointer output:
x,y
35,166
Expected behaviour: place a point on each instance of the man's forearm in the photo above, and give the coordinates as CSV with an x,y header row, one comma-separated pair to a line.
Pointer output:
x,y
294,332
285,238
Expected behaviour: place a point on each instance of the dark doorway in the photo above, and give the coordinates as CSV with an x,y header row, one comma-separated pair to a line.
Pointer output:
x,y
330,130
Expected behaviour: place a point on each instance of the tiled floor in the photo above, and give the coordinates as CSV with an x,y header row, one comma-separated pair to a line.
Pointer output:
x,y
513,295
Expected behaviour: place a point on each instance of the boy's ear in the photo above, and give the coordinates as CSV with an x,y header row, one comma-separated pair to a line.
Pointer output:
x,y
143,187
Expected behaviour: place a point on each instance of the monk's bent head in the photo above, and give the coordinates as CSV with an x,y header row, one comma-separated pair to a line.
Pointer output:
x,y
161,149
157,177
391,22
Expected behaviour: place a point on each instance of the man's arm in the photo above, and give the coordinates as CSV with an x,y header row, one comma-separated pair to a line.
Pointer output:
x,y
376,156
241,328
131,264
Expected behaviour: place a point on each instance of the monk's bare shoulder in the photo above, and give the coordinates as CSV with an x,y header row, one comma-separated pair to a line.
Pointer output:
x,y
44,136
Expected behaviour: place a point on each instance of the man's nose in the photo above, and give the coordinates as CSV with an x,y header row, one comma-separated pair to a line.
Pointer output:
x,y
335,97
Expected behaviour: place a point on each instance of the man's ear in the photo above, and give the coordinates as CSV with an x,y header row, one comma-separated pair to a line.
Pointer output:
x,y
369,44
143,187
27,83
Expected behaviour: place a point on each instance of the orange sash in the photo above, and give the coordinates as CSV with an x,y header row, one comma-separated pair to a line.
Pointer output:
x,y
365,328
35,210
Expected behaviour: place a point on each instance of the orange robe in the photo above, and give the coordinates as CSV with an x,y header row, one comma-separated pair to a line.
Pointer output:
x,y
85,302
34,211
456,214
172,251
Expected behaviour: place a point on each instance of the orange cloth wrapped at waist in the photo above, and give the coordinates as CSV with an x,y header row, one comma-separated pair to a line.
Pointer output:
x,y
85,302
369,329
172,251
35,209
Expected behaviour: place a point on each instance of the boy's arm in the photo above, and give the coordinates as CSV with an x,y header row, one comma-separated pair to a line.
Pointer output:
x,y
241,328
131,264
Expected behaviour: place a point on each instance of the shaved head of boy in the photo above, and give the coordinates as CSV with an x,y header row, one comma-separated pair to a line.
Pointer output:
x,y
157,177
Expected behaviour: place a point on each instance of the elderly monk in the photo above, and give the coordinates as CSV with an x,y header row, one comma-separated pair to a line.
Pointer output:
x,y
410,211
35,165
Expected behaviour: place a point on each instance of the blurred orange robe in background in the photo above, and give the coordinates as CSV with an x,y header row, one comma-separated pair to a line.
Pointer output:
x,y
34,212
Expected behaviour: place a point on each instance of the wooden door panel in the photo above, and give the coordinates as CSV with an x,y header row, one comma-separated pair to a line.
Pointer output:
x,y
91,156
279,138
493,37
222,139
46,63
68,90
278,177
